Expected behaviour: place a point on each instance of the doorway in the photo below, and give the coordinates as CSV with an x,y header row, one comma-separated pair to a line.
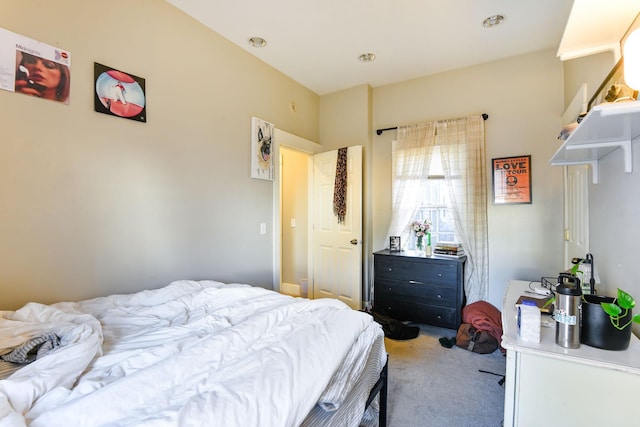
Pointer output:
x,y
294,222
305,264
291,264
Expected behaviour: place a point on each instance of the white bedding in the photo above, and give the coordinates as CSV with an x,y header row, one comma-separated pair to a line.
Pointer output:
x,y
192,353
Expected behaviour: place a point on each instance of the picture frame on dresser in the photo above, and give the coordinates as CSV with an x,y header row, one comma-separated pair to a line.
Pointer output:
x,y
394,244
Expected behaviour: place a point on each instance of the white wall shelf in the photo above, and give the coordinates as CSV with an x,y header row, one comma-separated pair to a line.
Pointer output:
x,y
606,128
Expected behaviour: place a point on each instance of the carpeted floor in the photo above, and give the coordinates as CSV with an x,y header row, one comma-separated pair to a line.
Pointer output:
x,y
430,385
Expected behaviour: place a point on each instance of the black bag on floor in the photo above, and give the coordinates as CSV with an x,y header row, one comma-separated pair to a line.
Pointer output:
x,y
469,338
395,329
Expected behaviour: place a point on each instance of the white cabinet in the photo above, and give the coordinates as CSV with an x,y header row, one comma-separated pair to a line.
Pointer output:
x,y
546,383
606,128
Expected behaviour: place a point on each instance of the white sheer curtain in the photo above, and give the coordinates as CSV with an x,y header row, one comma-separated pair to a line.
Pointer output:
x,y
410,158
462,150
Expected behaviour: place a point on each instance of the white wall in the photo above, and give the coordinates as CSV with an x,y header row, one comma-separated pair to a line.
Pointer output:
x,y
614,228
613,203
93,204
524,99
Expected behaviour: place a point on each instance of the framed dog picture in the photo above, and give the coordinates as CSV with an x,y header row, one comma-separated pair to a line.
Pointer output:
x,y
394,243
261,145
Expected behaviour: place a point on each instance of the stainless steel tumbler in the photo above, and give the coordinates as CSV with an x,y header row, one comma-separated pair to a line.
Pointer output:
x,y
568,312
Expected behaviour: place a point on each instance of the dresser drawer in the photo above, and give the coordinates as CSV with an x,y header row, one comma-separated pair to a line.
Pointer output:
x,y
421,313
426,294
416,272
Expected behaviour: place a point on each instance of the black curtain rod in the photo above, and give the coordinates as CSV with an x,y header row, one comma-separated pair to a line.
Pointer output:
x,y
379,131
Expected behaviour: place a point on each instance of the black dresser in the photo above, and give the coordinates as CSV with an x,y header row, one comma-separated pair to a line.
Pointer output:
x,y
422,289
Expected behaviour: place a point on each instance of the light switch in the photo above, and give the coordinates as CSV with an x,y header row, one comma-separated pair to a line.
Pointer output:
x,y
263,228
293,223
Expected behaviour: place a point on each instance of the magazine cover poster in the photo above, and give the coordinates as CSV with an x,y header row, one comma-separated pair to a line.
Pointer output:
x,y
34,68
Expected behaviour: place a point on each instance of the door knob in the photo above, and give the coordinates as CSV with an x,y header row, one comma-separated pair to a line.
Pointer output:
x,y
354,241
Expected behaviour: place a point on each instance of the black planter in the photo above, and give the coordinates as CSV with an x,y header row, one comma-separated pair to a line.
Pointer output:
x,y
597,330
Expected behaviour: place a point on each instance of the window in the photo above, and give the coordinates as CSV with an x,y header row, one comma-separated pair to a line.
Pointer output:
x,y
420,190
433,205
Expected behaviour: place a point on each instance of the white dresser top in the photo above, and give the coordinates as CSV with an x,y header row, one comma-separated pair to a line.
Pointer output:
x,y
626,360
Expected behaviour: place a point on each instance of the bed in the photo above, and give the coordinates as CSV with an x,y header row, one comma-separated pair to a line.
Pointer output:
x,y
192,353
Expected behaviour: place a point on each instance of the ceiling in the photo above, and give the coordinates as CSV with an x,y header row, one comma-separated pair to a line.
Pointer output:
x,y
317,43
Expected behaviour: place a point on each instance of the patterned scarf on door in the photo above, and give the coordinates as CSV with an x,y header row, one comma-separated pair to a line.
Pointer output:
x,y
340,189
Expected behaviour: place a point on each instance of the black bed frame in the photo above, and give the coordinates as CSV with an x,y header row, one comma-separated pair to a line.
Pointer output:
x,y
381,388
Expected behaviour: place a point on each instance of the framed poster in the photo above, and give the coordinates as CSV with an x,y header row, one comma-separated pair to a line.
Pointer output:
x,y
511,180
261,145
119,94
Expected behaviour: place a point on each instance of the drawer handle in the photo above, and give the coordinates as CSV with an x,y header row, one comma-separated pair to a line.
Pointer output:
x,y
439,317
439,296
439,274
414,282
389,269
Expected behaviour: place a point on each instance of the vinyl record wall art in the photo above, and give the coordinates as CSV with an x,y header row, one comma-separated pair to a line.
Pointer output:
x,y
119,94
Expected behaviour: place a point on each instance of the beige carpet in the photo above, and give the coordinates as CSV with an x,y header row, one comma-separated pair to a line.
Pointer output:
x,y
430,385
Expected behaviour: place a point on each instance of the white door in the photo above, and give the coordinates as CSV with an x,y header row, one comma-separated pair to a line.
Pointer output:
x,y
576,213
337,248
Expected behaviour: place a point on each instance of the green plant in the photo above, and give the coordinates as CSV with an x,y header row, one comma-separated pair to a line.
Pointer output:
x,y
619,310
616,311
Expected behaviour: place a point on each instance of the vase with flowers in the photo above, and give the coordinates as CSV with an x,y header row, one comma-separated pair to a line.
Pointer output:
x,y
423,236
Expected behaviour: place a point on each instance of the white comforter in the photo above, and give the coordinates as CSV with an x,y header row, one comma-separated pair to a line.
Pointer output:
x,y
192,353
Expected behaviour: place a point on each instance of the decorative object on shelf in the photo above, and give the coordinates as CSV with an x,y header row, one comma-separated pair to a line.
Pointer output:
x,y
623,82
512,180
614,89
261,146
568,129
422,230
394,244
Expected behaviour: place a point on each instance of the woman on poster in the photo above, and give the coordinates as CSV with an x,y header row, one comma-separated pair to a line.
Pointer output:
x,y
42,78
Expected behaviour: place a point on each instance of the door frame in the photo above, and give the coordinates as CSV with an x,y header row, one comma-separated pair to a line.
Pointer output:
x,y
293,142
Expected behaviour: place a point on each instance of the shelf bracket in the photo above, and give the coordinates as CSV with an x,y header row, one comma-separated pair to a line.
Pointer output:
x,y
594,167
626,152
595,171
628,156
